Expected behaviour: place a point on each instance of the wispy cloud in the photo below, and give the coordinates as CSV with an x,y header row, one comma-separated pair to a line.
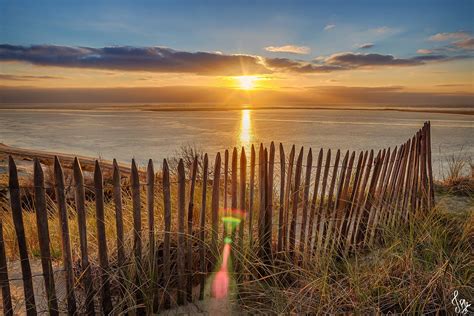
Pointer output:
x,y
424,51
10,77
292,49
383,30
448,36
329,27
366,46
458,41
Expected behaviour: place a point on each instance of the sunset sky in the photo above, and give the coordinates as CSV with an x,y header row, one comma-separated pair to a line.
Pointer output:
x,y
314,52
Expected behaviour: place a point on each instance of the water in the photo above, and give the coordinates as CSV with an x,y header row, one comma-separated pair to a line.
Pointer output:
x,y
124,134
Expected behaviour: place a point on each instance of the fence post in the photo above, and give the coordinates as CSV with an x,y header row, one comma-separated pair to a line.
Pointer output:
x,y
66,246
43,237
190,239
226,180
202,232
242,204
309,243
307,183
150,205
117,193
295,195
281,210
137,234
430,168
181,298
286,215
101,240
167,233
4,281
215,208
79,194
251,194
269,201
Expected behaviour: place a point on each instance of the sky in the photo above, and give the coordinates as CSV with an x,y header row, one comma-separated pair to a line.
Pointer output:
x,y
312,52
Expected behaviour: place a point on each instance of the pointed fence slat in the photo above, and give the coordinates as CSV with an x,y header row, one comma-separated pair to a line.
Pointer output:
x,y
82,228
137,235
106,301
289,182
66,245
269,200
4,282
117,196
251,194
295,201
202,231
242,202
226,184
43,238
261,192
306,188
150,207
429,166
189,237
181,295
167,235
281,210
310,239
215,208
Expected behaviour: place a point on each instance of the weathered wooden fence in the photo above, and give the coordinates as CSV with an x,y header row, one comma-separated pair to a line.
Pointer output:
x,y
291,210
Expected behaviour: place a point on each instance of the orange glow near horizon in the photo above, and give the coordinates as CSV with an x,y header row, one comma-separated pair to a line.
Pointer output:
x,y
246,82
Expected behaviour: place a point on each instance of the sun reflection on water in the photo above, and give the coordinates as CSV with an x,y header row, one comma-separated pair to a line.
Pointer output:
x,y
246,134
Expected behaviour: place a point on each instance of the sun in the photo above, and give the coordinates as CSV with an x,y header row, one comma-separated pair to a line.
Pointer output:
x,y
246,82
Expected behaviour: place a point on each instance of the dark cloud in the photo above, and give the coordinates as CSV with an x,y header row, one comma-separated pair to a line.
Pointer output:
x,y
366,46
25,77
153,59
167,60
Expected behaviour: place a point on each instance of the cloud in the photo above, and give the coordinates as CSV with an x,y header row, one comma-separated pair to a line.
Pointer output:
x,y
383,30
167,60
424,51
128,58
466,44
441,37
293,49
458,41
9,77
355,60
366,46
329,27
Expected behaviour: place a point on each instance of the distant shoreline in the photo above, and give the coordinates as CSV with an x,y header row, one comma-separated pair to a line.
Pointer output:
x,y
174,108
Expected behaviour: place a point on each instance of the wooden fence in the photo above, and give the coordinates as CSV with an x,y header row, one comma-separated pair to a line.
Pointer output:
x,y
291,210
